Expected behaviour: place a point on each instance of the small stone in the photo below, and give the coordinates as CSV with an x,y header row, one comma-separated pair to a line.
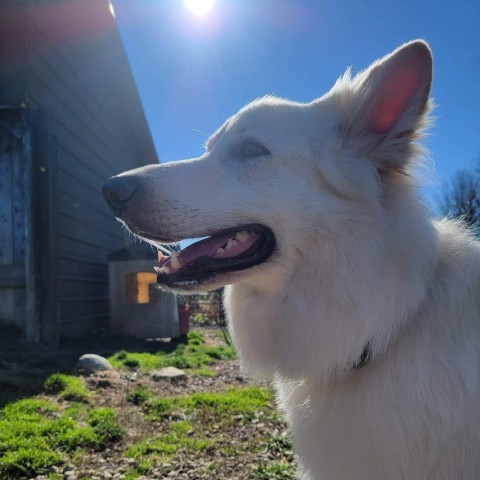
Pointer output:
x,y
93,363
168,372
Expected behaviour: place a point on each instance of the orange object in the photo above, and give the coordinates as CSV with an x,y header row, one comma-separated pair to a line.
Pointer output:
x,y
138,286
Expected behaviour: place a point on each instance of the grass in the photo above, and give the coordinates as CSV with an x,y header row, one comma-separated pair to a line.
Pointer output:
x,y
35,435
198,425
67,387
204,372
61,424
139,395
170,443
196,354
275,470
245,401
104,425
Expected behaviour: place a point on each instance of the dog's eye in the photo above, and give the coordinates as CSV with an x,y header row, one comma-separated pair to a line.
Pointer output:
x,y
252,149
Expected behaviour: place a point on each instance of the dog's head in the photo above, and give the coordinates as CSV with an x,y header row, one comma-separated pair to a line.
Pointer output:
x,y
279,176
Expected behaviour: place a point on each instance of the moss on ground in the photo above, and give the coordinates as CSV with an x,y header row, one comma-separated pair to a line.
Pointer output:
x,y
245,401
195,354
36,434
176,438
139,395
198,425
67,387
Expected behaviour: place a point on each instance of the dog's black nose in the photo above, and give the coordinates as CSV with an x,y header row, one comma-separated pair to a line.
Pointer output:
x,y
118,191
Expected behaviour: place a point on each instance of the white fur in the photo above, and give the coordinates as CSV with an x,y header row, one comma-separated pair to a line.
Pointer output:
x,y
358,262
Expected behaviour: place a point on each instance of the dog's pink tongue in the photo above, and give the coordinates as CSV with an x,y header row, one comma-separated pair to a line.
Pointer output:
x,y
223,246
204,248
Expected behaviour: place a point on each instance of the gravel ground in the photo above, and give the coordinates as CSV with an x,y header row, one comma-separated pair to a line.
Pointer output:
x,y
112,388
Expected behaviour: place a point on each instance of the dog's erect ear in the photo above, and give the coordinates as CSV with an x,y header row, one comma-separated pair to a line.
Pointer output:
x,y
399,85
389,100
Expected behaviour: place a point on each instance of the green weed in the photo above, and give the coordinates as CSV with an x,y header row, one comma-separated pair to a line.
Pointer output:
x,y
132,474
207,420
196,354
139,395
204,372
104,423
67,387
234,401
131,362
35,435
275,470
166,445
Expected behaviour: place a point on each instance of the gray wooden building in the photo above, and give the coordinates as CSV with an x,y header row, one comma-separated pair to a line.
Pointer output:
x,y
70,117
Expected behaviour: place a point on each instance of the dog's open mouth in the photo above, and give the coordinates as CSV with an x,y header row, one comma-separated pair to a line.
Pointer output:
x,y
226,251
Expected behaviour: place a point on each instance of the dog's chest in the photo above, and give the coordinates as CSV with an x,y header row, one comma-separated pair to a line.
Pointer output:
x,y
342,432
329,431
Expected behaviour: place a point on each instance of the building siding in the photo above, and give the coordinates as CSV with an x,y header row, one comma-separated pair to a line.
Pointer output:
x,y
76,72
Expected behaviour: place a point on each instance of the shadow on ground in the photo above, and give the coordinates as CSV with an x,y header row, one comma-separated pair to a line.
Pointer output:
x,y
24,365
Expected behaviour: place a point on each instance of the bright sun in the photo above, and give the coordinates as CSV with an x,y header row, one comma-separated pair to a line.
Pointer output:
x,y
199,7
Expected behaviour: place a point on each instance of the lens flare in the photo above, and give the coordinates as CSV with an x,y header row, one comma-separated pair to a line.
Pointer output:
x,y
199,8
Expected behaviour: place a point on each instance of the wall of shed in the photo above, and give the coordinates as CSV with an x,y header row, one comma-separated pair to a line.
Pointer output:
x,y
12,230
94,127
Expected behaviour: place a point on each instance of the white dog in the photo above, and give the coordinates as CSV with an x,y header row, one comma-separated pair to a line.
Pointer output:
x,y
365,310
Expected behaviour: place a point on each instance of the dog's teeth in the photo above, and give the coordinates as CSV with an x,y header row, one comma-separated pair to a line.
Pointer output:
x,y
186,283
174,262
162,270
242,236
220,251
231,243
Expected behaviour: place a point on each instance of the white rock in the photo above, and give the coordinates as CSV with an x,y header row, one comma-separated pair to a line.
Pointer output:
x,y
93,363
168,372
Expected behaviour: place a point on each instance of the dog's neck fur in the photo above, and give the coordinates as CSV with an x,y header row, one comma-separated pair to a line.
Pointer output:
x,y
269,334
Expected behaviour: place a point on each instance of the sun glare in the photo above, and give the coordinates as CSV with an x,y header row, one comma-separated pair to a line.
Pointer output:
x,y
199,8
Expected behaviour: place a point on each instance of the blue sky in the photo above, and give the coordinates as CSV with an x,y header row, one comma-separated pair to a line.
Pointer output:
x,y
192,73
